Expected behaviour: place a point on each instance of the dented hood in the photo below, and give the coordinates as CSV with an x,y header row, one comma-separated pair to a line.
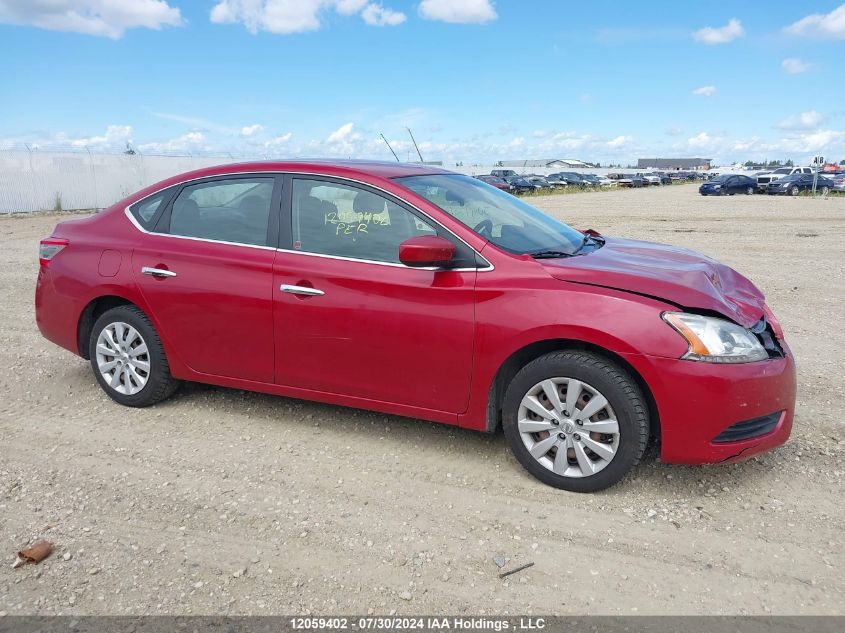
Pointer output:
x,y
676,275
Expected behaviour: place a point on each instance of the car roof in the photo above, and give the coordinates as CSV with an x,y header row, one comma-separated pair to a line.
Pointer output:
x,y
325,167
383,169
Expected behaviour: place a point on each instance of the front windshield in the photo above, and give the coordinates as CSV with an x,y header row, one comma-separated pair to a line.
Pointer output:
x,y
783,170
503,219
791,178
720,179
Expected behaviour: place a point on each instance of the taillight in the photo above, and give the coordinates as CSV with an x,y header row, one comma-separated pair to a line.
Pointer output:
x,y
49,248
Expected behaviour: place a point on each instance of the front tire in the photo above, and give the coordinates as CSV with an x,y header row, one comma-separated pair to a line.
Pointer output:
x,y
749,191
575,420
128,358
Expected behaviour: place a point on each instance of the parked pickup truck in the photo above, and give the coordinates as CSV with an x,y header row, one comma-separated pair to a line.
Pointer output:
x,y
767,177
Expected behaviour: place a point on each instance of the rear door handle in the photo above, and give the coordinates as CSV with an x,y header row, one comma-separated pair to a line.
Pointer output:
x,y
301,290
157,272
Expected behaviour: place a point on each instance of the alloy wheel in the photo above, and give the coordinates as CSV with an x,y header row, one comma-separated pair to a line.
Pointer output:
x,y
123,359
568,426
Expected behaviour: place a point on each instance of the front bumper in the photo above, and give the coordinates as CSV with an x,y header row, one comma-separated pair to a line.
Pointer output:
x,y
698,401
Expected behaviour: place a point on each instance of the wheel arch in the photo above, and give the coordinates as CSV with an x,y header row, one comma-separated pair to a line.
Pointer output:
x,y
91,312
521,357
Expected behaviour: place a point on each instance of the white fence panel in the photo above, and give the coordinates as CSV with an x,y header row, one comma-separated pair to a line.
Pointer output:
x,y
38,180
33,180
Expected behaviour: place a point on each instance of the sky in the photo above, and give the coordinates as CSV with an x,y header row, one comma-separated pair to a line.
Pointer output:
x,y
477,81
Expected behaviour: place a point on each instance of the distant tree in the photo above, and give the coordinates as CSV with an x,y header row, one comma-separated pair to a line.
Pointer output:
x,y
842,162
130,151
749,163
789,163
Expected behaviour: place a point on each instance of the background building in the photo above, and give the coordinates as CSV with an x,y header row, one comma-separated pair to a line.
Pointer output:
x,y
674,163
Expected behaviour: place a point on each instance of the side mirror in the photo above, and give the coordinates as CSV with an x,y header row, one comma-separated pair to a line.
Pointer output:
x,y
426,250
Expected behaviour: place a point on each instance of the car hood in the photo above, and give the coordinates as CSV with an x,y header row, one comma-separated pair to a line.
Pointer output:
x,y
677,275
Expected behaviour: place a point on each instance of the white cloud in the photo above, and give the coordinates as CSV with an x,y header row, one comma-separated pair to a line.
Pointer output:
x,y
746,145
350,7
297,16
795,66
252,130
821,24
703,140
105,18
186,142
809,120
721,35
674,131
376,15
619,141
828,141
705,91
276,141
458,11
115,135
350,140
341,134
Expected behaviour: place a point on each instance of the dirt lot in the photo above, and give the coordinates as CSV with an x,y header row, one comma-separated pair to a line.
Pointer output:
x,y
221,501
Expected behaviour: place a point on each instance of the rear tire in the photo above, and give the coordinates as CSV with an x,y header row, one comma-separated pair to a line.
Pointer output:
x,y
128,358
557,446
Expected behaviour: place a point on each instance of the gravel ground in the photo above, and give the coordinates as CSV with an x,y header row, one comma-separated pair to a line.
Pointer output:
x,y
222,501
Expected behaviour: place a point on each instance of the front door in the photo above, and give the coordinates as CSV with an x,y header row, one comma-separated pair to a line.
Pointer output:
x,y
351,319
207,274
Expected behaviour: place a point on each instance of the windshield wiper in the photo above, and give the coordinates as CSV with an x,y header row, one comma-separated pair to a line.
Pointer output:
x,y
586,240
549,254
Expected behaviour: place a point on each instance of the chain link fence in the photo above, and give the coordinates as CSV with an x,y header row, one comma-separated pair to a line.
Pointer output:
x,y
79,178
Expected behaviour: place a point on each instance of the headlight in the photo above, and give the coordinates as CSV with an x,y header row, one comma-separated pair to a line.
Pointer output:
x,y
715,340
717,186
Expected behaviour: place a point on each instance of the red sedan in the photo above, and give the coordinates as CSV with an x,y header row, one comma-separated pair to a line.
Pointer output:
x,y
414,291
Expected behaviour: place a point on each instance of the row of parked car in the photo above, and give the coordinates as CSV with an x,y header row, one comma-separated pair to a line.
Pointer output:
x,y
509,180
782,181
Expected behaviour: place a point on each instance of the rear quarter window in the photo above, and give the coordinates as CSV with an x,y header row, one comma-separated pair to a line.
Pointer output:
x,y
146,211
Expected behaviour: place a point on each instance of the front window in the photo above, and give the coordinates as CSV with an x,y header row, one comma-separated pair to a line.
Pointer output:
x,y
508,222
332,218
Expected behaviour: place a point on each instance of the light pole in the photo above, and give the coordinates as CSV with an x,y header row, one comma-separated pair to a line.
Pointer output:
x,y
817,161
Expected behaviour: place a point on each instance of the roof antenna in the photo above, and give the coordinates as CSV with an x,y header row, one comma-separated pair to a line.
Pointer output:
x,y
390,148
415,144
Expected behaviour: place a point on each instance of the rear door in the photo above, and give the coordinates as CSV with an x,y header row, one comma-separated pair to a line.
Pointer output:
x,y
351,319
206,271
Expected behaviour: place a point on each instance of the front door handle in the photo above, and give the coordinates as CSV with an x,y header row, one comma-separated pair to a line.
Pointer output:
x,y
301,290
157,272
